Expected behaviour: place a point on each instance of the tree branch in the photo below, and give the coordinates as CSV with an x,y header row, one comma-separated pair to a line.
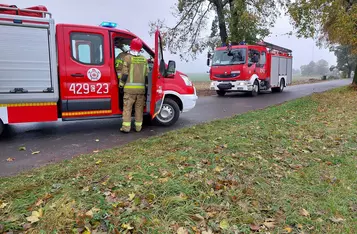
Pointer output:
x,y
198,26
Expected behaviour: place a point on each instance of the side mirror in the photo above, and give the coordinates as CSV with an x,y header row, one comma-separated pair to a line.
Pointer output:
x,y
171,69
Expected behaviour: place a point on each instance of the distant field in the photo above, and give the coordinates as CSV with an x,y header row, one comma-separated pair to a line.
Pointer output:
x,y
205,77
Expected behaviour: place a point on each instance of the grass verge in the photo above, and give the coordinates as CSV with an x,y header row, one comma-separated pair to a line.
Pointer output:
x,y
287,168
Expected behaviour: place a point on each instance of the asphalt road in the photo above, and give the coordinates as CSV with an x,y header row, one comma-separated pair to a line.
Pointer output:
x,y
64,140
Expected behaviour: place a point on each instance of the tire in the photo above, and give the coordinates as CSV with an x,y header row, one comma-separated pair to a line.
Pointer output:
x,y
169,113
2,127
280,88
255,90
282,85
220,93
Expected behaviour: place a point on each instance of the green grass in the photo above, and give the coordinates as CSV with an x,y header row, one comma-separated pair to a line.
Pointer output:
x,y
253,171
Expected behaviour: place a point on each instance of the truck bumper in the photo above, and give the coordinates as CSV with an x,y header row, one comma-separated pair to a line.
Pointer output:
x,y
241,86
188,101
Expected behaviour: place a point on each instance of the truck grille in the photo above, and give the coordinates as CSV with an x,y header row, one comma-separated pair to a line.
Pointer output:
x,y
226,76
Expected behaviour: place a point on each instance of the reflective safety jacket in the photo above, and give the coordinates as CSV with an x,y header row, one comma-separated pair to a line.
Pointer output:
x,y
119,63
134,74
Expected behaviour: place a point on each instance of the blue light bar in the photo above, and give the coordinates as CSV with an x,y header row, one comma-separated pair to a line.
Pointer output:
x,y
109,24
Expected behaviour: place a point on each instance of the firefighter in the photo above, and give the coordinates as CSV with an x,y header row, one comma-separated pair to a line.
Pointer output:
x,y
119,60
134,81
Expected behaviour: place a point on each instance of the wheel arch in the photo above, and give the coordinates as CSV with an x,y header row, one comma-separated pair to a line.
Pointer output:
x,y
253,78
175,97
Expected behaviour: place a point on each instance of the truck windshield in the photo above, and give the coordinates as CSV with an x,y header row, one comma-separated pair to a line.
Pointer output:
x,y
221,57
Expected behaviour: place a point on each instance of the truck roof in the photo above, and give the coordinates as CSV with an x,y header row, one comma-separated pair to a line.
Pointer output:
x,y
42,12
100,28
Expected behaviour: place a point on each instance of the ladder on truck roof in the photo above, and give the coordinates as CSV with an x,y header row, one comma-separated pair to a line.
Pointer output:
x,y
29,12
271,46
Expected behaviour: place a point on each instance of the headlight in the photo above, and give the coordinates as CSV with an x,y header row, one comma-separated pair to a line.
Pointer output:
x,y
187,81
244,83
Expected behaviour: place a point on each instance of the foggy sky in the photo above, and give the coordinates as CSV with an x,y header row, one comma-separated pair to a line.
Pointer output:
x,y
135,15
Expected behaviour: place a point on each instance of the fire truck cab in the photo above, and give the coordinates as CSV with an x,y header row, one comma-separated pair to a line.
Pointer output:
x,y
250,68
65,71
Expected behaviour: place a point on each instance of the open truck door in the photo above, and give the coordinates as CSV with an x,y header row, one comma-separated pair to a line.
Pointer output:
x,y
157,81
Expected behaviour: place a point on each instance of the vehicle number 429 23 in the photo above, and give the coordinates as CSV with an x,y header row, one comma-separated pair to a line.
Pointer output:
x,y
85,88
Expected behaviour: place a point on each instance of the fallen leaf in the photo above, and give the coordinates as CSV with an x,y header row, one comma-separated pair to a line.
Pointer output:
x,y
182,230
224,224
89,214
85,189
198,217
10,159
131,196
304,212
269,223
163,180
22,148
35,216
98,162
299,226
337,220
218,169
288,229
126,226
3,205
35,152
39,202
254,227
26,226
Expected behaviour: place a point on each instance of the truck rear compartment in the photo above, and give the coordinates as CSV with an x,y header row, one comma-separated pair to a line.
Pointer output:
x,y
28,62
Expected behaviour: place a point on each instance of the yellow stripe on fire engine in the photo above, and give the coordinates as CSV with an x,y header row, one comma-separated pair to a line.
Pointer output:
x,y
77,113
29,104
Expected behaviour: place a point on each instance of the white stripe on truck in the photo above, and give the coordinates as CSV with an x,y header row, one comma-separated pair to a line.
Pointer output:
x,y
3,115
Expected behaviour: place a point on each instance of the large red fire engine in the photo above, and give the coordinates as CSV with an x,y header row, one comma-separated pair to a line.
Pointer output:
x,y
250,68
50,72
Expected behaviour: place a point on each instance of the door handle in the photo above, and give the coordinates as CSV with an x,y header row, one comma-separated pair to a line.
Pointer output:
x,y
77,75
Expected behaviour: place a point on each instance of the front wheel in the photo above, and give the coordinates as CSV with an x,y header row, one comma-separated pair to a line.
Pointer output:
x,y
255,90
2,127
169,113
220,93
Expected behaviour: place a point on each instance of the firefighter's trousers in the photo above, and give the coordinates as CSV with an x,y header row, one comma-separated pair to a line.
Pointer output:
x,y
129,101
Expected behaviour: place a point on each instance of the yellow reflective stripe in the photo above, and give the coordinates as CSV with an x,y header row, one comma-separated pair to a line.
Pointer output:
x,y
138,124
29,104
131,74
134,87
126,124
77,113
117,62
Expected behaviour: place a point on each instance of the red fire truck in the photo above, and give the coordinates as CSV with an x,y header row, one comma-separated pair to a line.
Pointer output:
x,y
250,68
67,72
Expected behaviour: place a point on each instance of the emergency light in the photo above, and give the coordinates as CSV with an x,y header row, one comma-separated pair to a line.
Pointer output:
x,y
109,24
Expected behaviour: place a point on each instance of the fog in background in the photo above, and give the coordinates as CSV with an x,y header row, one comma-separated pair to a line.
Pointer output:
x,y
135,15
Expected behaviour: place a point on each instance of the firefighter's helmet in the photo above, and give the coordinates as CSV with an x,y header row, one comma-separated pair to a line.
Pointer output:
x,y
136,44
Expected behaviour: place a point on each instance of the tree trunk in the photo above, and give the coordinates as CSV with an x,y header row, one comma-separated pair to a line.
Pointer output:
x,y
349,72
221,20
355,77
